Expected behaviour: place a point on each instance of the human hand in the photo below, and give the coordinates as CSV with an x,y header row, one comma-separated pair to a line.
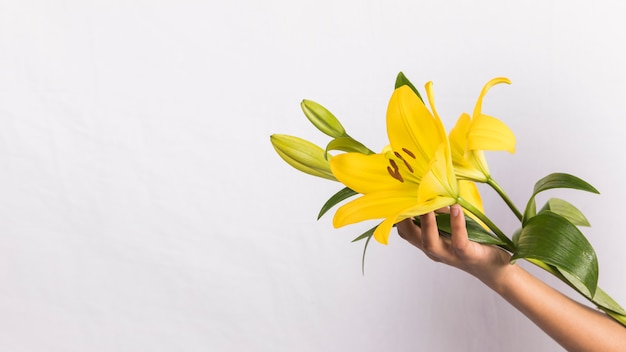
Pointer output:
x,y
487,263
565,320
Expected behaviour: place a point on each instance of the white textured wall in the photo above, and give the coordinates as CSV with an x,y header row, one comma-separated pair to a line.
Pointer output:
x,y
142,207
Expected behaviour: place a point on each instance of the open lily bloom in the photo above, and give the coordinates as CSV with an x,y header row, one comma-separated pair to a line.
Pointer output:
x,y
471,136
412,176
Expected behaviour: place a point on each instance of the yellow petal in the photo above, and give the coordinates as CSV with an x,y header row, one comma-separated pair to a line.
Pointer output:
x,y
377,205
467,164
469,192
427,206
477,159
412,127
431,102
458,139
440,180
489,133
479,104
470,173
381,234
364,173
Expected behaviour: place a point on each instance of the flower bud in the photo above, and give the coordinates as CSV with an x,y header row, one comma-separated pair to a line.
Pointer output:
x,y
302,155
322,119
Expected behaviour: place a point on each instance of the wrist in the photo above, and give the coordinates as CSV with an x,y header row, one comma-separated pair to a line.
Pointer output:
x,y
497,272
502,278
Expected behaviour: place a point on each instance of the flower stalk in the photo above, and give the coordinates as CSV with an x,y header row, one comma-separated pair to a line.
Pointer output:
x,y
496,187
496,230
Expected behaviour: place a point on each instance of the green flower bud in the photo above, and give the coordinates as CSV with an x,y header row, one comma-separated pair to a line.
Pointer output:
x,y
302,155
322,119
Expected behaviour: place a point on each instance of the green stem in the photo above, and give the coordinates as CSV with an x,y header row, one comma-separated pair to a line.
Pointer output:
x,y
472,209
491,182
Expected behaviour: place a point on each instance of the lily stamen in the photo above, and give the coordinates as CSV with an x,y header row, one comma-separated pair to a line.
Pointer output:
x,y
395,173
409,153
405,162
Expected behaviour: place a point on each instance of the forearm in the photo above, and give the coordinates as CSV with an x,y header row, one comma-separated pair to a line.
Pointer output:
x,y
571,324
574,326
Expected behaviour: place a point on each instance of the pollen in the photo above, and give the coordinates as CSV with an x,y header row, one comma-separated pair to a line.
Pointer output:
x,y
409,153
405,162
394,171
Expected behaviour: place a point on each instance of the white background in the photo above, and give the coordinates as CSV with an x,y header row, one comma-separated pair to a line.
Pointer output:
x,y
142,207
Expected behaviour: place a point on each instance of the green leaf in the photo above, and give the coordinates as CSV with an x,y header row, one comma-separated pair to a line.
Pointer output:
x,y
601,299
401,80
561,180
554,240
555,180
366,234
364,251
566,210
475,231
515,236
322,119
531,209
575,283
343,194
347,144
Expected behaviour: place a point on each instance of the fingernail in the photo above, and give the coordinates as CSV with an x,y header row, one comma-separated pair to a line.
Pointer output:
x,y
454,210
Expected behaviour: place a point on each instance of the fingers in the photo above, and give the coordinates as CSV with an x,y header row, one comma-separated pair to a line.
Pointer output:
x,y
460,241
431,242
426,236
413,234
410,232
444,210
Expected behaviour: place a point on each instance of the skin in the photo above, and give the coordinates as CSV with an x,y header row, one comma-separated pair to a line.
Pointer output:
x,y
574,326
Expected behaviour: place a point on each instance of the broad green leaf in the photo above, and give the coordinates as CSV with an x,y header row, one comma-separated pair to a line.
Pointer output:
x,y
323,119
531,209
561,180
549,268
575,283
555,241
302,155
515,236
601,299
401,80
566,210
347,144
475,231
343,194
555,180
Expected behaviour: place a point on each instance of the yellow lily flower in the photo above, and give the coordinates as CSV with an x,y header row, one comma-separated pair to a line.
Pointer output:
x,y
411,177
471,136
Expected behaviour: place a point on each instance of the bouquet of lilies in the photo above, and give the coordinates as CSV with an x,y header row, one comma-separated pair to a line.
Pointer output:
x,y
424,169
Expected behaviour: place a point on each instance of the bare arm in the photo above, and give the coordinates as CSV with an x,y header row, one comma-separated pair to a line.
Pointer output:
x,y
574,326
